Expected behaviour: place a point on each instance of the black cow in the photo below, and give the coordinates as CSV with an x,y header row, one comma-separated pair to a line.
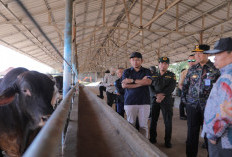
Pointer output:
x,y
26,99
59,83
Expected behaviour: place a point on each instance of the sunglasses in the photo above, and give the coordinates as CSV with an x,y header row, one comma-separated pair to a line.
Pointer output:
x,y
191,60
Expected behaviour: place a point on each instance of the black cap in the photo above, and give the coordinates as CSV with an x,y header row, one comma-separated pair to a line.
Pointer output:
x,y
136,54
164,59
153,68
224,44
107,71
201,48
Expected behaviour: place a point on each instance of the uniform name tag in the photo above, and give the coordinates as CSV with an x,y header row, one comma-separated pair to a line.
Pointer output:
x,y
207,82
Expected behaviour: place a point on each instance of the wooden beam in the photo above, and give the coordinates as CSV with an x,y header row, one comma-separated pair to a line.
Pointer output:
x,y
89,36
127,12
201,38
162,12
203,22
119,36
103,12
153,19
156,9
206,42
222,30
228,10
177,17
141,12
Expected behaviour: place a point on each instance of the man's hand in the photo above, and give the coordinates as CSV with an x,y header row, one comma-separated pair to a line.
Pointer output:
x,y
127,81
212,141
145,77
160,97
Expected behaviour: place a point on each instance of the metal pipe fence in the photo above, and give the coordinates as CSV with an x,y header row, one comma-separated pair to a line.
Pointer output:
x,y
47,141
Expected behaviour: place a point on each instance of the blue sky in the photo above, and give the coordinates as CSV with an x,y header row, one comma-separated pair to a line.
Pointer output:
x,y
10,58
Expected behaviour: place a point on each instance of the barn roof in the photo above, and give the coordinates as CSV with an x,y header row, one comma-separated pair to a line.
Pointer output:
x,y
107,31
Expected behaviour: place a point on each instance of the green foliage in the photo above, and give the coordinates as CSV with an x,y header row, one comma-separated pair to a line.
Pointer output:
x,y
177,67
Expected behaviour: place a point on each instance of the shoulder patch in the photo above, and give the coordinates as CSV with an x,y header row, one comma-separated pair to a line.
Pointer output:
x,y
168,76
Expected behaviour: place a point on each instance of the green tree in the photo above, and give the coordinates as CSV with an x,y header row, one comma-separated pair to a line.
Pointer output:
x,y
177,67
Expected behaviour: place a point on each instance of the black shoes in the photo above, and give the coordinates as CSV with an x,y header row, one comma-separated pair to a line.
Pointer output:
x,y
153,141
102,97
183,117
168,145
203,145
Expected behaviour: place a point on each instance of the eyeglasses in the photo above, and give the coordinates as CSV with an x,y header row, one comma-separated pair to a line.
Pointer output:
x,y
191,60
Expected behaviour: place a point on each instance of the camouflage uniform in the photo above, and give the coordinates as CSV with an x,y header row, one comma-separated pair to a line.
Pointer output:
x,y
195,92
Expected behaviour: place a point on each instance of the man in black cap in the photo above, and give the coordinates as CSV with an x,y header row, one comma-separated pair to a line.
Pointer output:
x,y
218,111
136,96
163,84
102,88
195,92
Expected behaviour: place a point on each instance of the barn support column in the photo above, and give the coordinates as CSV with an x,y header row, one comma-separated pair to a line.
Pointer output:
x,y
67,46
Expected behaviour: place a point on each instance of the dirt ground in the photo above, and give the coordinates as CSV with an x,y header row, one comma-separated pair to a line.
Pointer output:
x,y
179,133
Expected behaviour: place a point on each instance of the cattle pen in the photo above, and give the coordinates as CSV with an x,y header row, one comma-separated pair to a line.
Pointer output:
x,y
97,130
91,134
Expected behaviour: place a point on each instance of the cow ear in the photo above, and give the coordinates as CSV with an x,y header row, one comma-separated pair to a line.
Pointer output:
x,y
7,95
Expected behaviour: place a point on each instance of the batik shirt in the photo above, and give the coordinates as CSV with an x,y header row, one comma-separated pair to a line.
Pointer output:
x,y
198,84
218,111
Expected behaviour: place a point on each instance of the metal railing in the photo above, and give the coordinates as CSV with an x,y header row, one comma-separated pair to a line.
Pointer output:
x,y
47,141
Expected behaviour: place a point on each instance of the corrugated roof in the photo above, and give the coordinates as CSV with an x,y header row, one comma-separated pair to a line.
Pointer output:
x,y
172,33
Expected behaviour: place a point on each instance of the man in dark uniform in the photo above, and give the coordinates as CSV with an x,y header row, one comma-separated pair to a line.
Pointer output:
x,y
153,72
163,84
195,92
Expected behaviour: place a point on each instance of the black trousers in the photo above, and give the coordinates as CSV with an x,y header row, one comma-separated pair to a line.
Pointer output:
x,y
110,98
101,89
194,122
120,105
167,111
182,109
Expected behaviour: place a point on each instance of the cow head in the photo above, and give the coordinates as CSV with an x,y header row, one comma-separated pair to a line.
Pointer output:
x,y
34,94
31,95
8,87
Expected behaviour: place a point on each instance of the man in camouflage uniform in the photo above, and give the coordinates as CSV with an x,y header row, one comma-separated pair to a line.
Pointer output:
x,y
195,92
163,84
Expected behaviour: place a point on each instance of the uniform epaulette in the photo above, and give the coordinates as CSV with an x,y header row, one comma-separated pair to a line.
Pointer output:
x,y
168,76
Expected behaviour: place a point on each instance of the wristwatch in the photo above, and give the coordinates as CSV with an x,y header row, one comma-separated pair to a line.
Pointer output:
x,y
133,81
